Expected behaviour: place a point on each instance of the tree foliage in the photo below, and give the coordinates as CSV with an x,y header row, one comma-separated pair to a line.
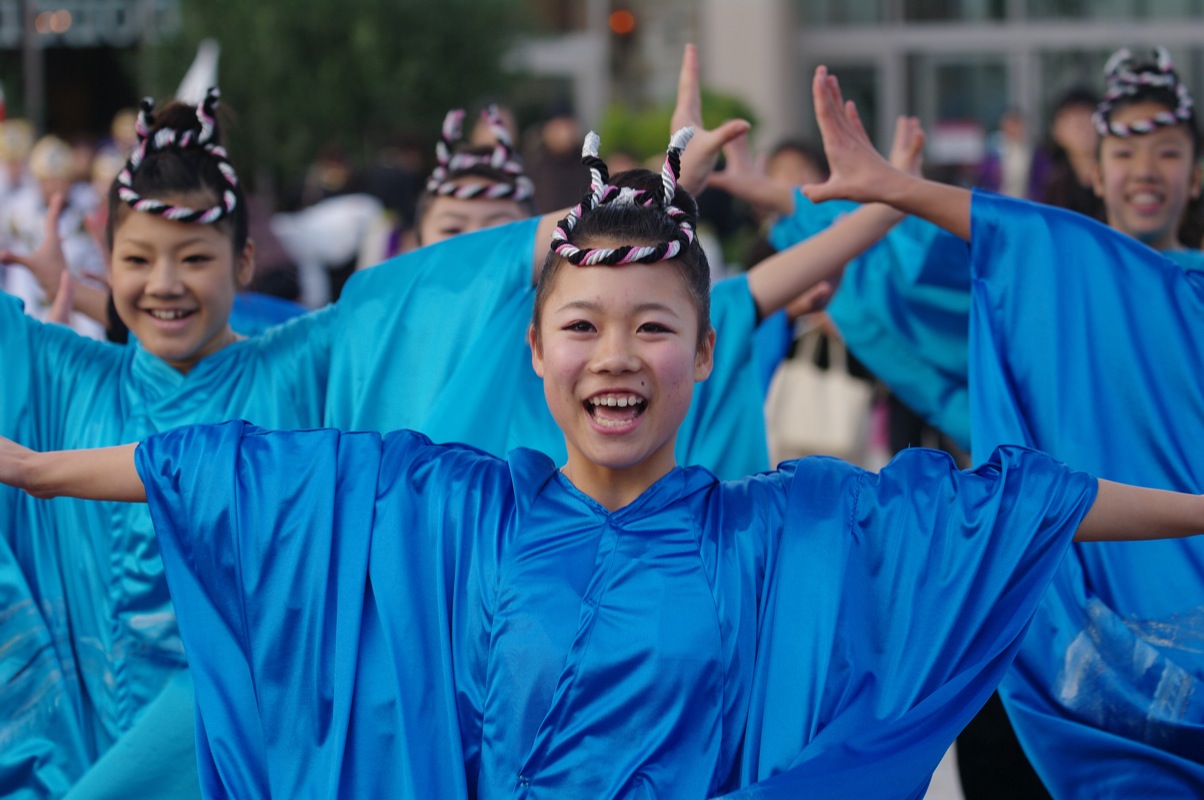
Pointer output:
x,y
297,75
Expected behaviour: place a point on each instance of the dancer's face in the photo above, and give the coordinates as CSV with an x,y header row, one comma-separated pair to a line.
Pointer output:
x,y
174,283
619,354
450,216
1147,180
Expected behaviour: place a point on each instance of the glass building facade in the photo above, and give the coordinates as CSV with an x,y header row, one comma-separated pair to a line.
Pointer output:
x,y
959,64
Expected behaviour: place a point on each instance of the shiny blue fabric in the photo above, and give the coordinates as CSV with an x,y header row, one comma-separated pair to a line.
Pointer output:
x,y
1089,345
253,312
903,309
93,638
371,617
437,342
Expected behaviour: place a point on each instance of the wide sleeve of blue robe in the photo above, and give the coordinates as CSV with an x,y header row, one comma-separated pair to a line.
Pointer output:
x,y
323,607
1090,345
903,309
282,619
884,636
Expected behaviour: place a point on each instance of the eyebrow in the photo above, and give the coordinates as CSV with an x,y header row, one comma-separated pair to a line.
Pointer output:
x,y
585,305
186,243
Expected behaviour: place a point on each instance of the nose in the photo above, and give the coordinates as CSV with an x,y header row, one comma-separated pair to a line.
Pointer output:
x,y
164,279
1143,163
615,354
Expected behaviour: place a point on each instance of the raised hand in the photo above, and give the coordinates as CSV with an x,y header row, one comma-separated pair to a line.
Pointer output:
x,y
858,171
907,148
698,159
64,300
742,178
47,263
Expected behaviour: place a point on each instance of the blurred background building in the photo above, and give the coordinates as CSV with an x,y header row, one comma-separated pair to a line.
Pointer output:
x,y
957,64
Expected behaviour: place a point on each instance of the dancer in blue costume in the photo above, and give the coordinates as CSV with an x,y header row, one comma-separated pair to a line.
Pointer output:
x,y
178,234
1087,343
370,615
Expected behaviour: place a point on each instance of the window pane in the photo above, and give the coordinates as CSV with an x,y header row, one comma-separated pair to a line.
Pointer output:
x,y
953,10
832,13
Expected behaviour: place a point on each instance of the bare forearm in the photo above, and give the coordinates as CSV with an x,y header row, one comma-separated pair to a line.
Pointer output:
x,y
781,278
943,205
92,301
106,473
758,190
1123,513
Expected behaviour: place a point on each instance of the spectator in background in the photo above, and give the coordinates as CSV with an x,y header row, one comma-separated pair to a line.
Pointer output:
x,y
1072,160
1013,165
553,159
22,227
16,140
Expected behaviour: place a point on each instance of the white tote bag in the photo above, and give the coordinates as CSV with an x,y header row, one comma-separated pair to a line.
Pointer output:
x,y
810,410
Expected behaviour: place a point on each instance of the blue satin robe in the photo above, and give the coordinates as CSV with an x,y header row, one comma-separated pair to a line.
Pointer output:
x,y
901,311
371,617
1089,345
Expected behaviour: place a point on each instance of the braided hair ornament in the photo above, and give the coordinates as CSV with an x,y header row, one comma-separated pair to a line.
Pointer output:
x,y
1124,80
601,193
452,165
168,138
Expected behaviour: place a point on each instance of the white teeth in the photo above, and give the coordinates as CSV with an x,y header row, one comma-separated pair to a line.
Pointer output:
x,y
619,400
167,314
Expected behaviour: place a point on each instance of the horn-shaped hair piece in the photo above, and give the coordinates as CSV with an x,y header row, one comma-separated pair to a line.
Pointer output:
x,y
1126,77
170,138
601,193
451,166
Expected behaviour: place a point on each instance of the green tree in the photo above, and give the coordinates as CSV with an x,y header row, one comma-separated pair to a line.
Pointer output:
x,y
298,74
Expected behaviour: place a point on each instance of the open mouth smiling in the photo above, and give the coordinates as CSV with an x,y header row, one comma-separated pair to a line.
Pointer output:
x,y
615,409
169,314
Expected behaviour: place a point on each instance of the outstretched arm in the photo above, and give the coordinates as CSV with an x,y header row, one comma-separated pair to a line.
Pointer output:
x,y
1130,513
781,278
858,172
105,473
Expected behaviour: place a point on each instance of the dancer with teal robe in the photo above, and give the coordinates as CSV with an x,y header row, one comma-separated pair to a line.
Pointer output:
x,y
1051,299
1086,343
1094,352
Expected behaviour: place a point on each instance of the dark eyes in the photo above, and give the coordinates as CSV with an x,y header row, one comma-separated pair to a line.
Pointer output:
x,y
582,326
